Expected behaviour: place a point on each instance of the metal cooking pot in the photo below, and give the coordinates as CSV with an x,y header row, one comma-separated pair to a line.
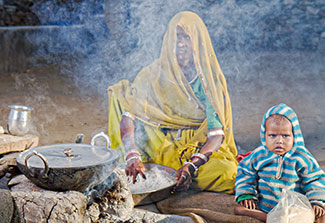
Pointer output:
x,y
68,166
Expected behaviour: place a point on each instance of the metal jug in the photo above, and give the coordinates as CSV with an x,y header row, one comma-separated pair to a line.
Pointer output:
x,y
19,120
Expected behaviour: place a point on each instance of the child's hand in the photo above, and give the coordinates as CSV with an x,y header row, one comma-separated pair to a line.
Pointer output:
x,y
319,211
249,203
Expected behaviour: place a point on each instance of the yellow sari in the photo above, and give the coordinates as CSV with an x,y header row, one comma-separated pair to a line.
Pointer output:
x,y
161,97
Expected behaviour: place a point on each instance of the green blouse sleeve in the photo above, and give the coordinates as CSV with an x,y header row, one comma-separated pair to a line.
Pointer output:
x,y
212,117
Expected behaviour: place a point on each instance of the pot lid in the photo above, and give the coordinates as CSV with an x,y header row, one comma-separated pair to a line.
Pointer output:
x,y
68,156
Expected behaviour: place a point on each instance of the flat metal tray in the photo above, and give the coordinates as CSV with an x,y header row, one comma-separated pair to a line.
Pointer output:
x,y
152,195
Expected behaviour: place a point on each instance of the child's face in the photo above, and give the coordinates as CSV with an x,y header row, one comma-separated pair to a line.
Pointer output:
x,y
278,135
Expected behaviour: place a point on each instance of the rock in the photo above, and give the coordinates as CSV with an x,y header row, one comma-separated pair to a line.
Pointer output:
x,y
17,14
146,216
3,170
9,159
93,212
117,205
21,183
114,197
7,162
6,206
4,182
109,202
35,204
1,130
10,143
50,206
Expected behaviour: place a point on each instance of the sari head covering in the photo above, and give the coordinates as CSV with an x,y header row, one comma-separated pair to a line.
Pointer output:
x,y
161,96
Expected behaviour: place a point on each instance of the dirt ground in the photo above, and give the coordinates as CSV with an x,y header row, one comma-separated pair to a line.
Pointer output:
x,y
61,110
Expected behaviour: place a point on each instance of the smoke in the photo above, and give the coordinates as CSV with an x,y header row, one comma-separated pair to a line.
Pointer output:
x,y
37,92
260,45
99,53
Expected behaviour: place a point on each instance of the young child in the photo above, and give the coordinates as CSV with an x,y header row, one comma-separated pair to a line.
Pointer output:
x,y
281,161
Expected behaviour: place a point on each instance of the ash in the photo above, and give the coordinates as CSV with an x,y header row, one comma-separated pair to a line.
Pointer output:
x,y
157,179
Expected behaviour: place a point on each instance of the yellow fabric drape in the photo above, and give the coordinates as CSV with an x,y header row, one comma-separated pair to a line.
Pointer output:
x,y
161,97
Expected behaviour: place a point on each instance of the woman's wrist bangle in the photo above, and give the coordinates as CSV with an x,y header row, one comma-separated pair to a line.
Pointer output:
x,y
193,165
127,114
132,153
133,157
201,156
216,132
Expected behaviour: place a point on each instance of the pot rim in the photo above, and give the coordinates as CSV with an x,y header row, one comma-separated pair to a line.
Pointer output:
x,y
111,153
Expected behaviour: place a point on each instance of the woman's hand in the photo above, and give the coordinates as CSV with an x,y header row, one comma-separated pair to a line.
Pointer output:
x,y
249,203
319,211
135,167
183,178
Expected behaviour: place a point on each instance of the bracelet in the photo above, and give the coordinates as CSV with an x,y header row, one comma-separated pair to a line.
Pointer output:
x,y
200,156
133,157
216,132
133,152
127,114
193,165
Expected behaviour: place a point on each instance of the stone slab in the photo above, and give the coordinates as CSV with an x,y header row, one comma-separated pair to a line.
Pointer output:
x,y
10,143
6,206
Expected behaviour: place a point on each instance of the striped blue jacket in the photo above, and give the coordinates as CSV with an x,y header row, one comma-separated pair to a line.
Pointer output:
x,y
264,174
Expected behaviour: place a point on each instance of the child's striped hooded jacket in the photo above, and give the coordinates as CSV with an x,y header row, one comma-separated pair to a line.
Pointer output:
x,y
263,174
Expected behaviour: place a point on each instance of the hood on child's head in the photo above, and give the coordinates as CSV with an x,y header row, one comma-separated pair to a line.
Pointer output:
x,y
289,113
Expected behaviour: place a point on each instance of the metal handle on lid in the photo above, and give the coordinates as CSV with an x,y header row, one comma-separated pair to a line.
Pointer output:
x,y
80,137
46,166
101,134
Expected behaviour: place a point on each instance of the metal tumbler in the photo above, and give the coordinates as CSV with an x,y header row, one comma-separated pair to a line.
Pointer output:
x,y
19,120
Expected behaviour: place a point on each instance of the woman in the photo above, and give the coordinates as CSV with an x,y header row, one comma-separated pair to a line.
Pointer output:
x,y
177,112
